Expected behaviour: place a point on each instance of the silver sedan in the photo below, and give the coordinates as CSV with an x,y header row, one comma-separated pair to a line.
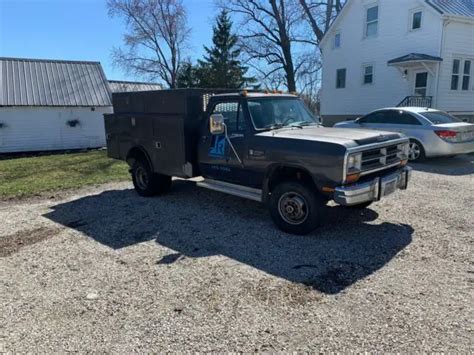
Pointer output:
x,y
432,132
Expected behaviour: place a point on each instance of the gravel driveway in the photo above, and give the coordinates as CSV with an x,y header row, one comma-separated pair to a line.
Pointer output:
x,y
101,269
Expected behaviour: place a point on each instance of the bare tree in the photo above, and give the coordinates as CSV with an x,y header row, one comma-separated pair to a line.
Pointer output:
x,y
320,14
155,38
309,80
268,31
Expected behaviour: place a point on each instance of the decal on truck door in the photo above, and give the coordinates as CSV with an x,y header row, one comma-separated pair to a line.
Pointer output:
x,y
217,148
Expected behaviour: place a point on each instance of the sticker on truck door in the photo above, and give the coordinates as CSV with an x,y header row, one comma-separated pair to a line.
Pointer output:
x,y
217,148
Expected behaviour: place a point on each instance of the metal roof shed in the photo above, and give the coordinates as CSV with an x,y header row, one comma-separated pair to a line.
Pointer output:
x,y
52,104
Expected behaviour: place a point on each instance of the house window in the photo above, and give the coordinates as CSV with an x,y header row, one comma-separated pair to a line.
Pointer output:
x,y
337,40
455,76
416,20
341,79
372,21
466,75
368,74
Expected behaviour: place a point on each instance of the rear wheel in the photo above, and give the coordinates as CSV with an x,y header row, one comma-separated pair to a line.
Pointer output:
x,y
146,182
417,153
295,208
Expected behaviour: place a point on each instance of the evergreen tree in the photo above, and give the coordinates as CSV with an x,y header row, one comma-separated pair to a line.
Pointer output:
x,y
187,76
221,67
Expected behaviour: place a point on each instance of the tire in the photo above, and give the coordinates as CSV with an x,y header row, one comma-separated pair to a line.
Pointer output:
x,y
417,152
147,183
296,208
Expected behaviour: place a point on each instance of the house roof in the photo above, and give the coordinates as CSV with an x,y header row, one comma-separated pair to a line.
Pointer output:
x,y
128,86
35,82
453,7
415,57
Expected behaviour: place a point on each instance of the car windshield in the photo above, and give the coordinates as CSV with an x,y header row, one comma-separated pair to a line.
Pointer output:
x,y
439,117
272,113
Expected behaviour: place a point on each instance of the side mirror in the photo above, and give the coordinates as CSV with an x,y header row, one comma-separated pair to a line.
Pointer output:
x,y
216,124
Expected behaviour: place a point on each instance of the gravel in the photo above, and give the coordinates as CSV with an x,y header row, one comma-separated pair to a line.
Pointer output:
x,y
101,269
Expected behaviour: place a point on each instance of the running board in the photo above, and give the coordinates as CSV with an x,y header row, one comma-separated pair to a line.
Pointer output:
x,y
232,189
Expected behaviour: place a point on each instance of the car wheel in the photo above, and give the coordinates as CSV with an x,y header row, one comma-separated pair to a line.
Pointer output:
x,y
295,208
417,153
147,183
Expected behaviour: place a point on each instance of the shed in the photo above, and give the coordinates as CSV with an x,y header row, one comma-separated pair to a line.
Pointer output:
x,y
132,86
52,105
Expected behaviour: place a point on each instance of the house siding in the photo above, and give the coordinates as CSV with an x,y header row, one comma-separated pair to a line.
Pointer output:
x,y
45,128
394,39
458,42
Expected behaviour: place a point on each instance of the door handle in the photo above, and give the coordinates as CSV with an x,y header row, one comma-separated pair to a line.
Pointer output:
x,y
204,138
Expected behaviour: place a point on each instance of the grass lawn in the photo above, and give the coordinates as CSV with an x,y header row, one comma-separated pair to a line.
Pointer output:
x,y
30,176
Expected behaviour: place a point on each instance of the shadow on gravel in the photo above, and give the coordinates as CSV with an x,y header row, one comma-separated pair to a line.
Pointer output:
x,y
195,223
454,166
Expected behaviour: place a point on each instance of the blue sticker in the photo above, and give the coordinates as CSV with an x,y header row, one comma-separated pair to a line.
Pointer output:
x,y
217,148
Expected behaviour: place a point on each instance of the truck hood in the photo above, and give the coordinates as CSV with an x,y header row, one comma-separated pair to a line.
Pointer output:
x,y
348,137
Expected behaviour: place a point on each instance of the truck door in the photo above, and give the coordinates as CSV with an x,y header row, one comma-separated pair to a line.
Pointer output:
x,y
216,156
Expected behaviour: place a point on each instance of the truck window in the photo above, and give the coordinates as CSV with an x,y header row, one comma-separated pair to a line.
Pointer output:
x,y
270,112
233,116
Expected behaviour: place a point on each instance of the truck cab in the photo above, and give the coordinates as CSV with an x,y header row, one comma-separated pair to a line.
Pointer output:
x,y
266,147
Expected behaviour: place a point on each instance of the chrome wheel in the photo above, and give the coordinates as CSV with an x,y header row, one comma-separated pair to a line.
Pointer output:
x,y
293,208
415,151
141,177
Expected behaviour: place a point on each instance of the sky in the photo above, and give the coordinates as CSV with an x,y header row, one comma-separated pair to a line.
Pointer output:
x,y
82,30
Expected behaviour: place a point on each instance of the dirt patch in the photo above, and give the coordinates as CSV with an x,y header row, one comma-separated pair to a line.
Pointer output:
x,y
12,243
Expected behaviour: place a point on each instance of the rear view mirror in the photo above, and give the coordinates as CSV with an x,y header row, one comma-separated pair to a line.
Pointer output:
x,y
216,124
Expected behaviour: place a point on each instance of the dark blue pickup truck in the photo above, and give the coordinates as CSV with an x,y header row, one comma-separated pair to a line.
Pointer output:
x,y
266,147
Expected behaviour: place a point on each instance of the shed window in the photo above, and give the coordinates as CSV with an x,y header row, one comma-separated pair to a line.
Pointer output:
x,y
341,79
372,21
466,75
416,20
455,75
368,74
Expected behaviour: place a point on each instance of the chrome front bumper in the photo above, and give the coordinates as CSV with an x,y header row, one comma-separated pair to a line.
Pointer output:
x,y
373,190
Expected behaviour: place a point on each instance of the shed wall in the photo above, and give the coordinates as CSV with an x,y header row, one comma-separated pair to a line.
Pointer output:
x,y
45,128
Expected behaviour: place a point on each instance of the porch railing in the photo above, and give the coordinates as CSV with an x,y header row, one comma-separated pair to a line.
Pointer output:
x,y
416,101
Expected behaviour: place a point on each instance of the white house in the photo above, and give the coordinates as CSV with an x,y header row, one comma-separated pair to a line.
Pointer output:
x,y
384,53
52,105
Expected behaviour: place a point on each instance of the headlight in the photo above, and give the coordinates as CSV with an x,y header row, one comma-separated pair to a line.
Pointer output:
x,y
354,162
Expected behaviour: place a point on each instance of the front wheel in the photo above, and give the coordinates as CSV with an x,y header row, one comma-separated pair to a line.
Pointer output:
x,y
296,208
417,153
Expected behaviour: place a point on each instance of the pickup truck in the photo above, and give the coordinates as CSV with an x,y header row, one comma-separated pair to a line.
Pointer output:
x,y
267,147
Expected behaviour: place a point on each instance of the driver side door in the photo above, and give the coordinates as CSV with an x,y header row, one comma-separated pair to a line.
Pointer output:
x,y
223,159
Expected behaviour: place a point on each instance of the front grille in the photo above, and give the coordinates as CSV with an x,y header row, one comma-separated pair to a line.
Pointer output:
x,y
380,157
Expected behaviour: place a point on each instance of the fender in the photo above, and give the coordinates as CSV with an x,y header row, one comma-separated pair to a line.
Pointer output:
x,y
134,152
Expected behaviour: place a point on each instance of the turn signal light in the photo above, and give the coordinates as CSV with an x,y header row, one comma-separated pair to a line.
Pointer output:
x,y
446,134
352,178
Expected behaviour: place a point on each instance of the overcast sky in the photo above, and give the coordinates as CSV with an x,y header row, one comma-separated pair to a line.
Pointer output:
x,y
81,30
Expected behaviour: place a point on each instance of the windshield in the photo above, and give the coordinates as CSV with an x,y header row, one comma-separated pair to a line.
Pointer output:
x,y
439,117
279,112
